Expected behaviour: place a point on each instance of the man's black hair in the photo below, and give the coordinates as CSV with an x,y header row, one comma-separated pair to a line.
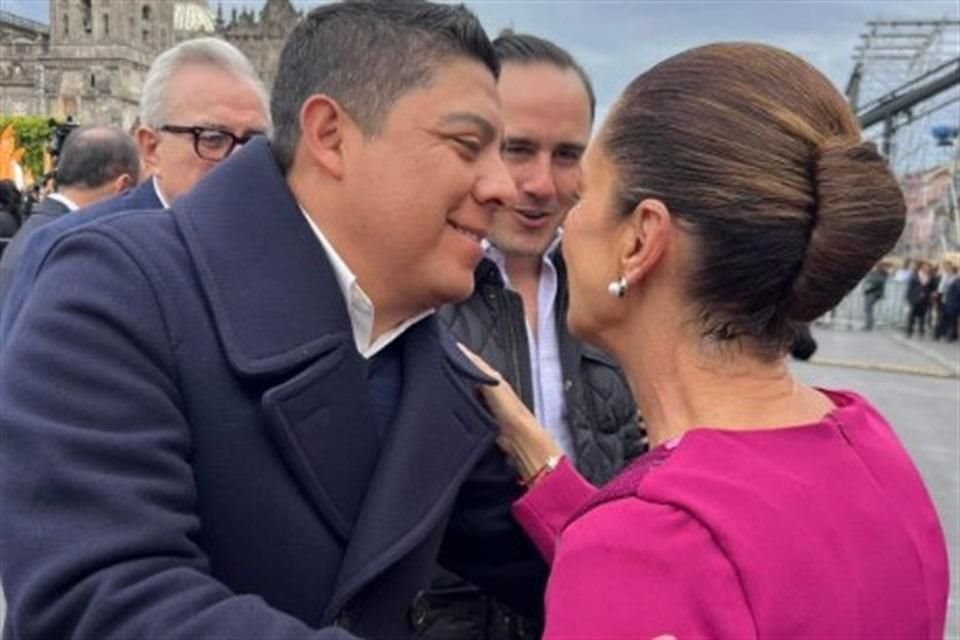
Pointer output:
x,y
523,48
365,55
92,156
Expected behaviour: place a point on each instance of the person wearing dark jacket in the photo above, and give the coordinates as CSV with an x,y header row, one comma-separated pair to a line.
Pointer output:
x,y
95,163
516,316
10,206
239,417
920,289
874,285
950,305
217,98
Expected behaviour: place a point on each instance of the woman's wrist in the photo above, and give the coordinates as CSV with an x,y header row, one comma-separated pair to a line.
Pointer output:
x,y
529,447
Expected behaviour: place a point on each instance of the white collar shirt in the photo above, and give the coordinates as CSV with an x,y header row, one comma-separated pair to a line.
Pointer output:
x,y
64,200
359,306
156,189
545,366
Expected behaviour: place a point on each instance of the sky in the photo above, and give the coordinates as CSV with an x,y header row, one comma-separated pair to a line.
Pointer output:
x,y
615,40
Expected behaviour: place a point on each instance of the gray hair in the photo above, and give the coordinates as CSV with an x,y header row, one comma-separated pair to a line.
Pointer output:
x,y
211,52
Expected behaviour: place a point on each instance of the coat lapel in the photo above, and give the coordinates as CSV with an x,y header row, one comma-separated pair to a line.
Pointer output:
x,y
284,327
438,434
271,290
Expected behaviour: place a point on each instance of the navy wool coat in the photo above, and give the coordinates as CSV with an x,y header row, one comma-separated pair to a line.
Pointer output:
x,y
21,260
188,451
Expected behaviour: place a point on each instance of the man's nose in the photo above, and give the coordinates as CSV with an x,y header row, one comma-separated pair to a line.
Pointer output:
x,y
496,186
538,179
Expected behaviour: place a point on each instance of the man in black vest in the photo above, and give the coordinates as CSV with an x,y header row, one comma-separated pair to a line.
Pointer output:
x,y
516,317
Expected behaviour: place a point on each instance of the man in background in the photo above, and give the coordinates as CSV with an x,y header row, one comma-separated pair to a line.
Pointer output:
x,y
201,100
516,318
874,287
95,163
946,321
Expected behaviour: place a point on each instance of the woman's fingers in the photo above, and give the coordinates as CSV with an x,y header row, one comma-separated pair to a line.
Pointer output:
x,y
480,363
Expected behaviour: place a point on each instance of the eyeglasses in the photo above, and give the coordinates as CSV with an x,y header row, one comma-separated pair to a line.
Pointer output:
x,y
210,143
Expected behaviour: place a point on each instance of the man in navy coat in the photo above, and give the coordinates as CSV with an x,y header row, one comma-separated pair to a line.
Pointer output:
x,y
239,418
201,99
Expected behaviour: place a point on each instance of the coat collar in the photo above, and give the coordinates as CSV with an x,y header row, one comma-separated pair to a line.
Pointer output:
x,y
270,286
144,196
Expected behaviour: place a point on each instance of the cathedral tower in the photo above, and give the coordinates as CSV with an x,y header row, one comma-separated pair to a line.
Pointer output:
x,y
99,52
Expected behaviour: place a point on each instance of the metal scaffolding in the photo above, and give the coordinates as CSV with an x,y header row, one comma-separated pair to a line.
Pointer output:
x,y
905,88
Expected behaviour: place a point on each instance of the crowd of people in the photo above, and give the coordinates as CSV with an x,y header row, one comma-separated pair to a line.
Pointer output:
x,y
396,350
933,298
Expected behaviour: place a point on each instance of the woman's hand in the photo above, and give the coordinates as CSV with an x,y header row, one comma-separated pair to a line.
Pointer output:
x,y
521,437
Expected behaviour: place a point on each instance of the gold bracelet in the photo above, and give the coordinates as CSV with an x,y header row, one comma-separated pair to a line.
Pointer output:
x,y
548,466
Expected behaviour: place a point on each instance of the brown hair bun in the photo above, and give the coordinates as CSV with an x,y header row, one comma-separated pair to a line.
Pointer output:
x,y
858,216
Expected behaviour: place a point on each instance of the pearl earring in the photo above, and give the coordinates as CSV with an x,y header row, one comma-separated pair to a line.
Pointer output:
x,y
617,288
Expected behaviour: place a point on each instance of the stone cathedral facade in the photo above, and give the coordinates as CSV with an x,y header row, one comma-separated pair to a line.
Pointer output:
x,y
89,62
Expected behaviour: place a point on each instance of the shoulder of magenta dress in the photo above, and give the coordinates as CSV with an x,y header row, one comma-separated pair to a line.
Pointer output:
x,y
822,529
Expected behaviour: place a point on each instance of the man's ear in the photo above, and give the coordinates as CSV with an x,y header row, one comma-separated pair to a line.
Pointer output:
x,y
323,123
147,142
122,182
647,235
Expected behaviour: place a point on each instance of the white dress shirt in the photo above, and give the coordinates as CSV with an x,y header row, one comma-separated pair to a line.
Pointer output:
x,y
64,200
359,306
545,369
156,189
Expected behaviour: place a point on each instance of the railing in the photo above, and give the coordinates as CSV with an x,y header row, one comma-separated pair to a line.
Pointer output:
x,y
890,312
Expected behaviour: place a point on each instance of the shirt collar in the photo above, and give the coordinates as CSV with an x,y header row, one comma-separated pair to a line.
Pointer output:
x,y
156,189
64,200
360,308
498,258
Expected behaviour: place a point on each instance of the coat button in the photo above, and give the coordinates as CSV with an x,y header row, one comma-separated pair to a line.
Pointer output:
x,y
567,384
419,610
343,619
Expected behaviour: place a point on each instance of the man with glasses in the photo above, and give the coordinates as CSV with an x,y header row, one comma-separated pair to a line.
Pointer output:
x,y
201,100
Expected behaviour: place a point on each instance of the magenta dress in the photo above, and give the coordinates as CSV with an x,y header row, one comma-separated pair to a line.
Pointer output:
x,y
821,530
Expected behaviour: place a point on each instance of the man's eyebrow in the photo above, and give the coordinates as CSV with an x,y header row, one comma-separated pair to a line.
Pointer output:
x,y
464,117
572,147
520,140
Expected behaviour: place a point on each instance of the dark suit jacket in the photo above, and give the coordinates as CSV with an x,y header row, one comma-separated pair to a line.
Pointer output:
x,y
21,260
46,211
189,452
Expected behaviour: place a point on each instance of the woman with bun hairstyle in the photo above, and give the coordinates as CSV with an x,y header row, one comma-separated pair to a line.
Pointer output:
x,y
727,199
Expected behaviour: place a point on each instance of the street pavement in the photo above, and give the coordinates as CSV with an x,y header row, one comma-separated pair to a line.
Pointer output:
x,y
916,385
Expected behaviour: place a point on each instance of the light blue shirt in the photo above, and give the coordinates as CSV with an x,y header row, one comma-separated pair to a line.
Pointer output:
x,y
545,369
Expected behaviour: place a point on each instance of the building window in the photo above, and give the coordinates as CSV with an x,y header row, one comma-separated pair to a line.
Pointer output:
x,y
86,11
106,24
66,24
146,13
